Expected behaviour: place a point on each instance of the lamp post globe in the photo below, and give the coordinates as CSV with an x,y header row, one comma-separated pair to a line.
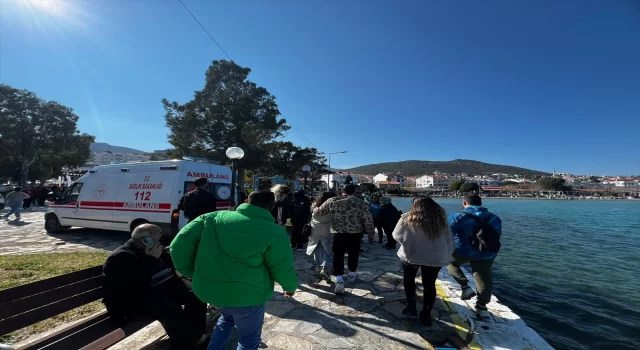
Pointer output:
x,y
234,153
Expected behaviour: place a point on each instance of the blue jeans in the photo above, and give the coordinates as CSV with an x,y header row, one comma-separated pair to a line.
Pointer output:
x,y
249,320
13,210
322,257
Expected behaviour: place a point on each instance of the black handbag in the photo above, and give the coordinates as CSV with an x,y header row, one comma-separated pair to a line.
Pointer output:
x,y
306,230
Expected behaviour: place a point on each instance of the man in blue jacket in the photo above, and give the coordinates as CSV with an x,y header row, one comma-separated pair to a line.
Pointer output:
x,y
463,227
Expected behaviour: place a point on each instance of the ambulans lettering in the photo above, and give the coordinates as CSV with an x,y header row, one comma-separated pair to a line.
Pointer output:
x,y
207,175
145,186
141,205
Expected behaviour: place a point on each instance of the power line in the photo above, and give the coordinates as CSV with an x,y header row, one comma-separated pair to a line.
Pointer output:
x,y
205,30
304,137
229,57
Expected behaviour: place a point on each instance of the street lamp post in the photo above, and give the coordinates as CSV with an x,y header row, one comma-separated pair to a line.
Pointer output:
x,y
328,188
235,154
305,172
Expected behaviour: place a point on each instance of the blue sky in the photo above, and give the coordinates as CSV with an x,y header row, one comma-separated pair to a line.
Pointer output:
x,y
538,84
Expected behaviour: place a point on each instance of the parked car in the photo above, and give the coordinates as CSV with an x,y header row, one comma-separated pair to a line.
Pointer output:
x,y
1,202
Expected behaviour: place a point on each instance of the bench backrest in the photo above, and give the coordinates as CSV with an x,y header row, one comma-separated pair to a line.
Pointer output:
x,y
25,305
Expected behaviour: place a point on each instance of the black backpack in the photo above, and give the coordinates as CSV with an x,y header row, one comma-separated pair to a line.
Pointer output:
x,y
485,237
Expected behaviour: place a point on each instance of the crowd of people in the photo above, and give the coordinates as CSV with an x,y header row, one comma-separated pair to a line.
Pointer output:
x,y
24,198
232,258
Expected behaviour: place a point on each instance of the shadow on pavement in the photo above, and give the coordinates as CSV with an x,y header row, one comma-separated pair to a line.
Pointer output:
x,y
99,239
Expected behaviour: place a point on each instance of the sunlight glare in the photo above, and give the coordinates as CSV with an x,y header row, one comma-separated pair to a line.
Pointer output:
x,y
61,11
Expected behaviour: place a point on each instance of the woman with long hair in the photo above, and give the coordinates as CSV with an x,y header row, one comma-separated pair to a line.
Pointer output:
x,y
283,209
425,244
320,244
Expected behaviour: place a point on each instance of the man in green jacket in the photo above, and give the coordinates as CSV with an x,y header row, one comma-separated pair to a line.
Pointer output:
x,y
234,258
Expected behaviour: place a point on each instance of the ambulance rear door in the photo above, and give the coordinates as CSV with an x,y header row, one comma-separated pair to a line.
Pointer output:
x,y
219,178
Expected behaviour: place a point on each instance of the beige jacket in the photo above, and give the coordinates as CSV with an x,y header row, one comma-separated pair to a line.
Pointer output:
x,y
416,249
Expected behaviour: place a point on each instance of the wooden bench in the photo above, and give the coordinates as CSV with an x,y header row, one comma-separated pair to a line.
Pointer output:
x,y
25,305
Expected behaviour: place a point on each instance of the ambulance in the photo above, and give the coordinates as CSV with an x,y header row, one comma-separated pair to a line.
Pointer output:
x,y
121,197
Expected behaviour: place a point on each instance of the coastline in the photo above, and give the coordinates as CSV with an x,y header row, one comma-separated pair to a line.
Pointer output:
x,y
536,198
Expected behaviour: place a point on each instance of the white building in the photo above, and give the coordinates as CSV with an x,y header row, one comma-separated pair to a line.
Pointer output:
x,y
434,181
339,179
627,183
380,178
103,158
485,181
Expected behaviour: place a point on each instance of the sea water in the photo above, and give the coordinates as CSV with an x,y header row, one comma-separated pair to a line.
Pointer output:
x,y
569,268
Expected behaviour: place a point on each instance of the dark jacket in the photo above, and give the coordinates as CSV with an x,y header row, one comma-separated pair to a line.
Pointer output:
x,y
282,210
301,209
389,216
127,276
196,203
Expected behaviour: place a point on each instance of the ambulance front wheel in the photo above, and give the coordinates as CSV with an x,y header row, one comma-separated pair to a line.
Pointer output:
x,y
52,224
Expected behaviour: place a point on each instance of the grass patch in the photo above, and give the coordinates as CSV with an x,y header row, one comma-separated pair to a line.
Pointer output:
x,y
17,270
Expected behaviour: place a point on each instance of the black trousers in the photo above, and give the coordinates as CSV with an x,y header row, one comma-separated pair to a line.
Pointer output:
x,y
429,277
388,230
346,243
297,239
183,326
378,225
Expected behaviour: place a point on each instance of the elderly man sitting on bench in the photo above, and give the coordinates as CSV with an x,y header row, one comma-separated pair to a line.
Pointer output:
x,y
140,280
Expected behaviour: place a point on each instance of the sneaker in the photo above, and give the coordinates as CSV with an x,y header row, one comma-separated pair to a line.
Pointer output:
x,y
467,293
351,278
408,311
425,318
482,313
339,287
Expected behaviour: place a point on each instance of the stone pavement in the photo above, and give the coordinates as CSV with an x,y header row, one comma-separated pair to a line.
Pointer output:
x,y
367,316
28,236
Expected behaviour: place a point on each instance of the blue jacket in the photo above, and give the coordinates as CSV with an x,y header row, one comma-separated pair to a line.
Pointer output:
x,y
462,229
375,209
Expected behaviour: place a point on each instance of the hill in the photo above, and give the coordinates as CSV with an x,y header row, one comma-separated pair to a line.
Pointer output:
x,y
103,147
456,166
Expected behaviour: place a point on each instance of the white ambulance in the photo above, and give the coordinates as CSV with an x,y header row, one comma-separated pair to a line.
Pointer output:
x,y
122,196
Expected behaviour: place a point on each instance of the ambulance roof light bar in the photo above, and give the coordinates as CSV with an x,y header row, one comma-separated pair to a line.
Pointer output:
x,y
200,160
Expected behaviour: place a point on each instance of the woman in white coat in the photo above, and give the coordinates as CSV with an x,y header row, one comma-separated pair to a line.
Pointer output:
x,y
320,244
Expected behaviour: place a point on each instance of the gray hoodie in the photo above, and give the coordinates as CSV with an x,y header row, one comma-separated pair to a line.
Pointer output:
x,y
416,249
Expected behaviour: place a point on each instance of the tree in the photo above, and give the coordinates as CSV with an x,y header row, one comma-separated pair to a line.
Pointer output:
x,y
553,183
40,134
287,160
456,185
229,111
468,187
594,179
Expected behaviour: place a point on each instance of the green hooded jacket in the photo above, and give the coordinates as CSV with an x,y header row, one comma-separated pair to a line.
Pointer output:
x,y
235,256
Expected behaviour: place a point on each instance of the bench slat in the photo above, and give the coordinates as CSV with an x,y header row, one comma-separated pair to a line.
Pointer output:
x,y
19,306
118,334
28,318
69,330
11,294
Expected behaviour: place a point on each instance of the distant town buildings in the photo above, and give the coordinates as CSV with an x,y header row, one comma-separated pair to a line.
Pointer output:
x,y
439,182
107,157
338,179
